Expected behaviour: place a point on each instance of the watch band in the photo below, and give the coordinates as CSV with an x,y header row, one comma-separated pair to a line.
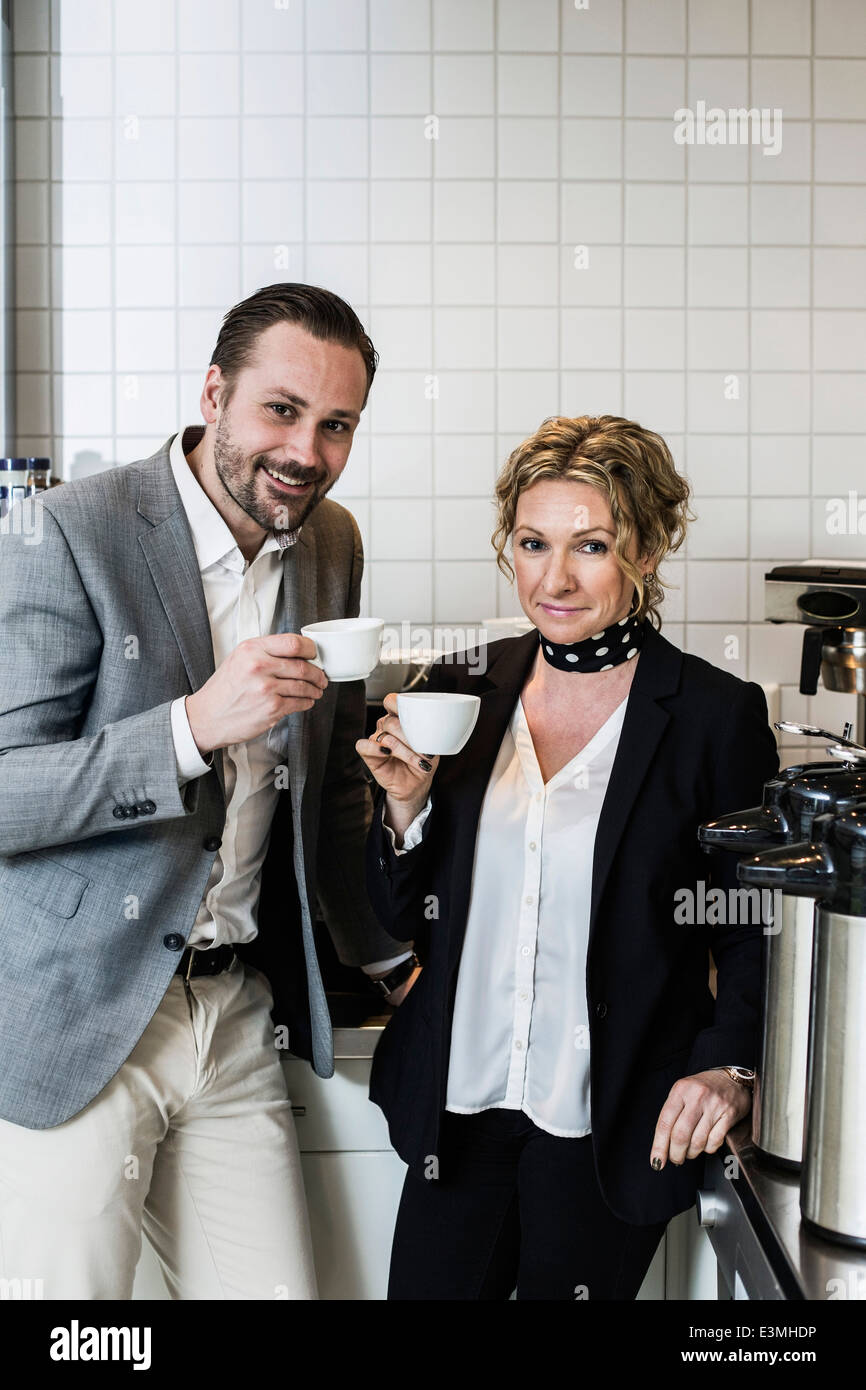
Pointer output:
x,y
386,984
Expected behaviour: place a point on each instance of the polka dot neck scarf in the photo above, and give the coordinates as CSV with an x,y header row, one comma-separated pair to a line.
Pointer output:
x,y
603,650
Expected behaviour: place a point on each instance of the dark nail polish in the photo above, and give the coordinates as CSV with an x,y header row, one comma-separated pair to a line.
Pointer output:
x,y
422,762
657,1163
386,752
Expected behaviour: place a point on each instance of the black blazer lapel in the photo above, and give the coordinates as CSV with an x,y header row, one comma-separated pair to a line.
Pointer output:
x,y
657,675
463,780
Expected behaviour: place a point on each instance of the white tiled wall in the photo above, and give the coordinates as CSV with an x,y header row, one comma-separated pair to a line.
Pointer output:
x,y
438,162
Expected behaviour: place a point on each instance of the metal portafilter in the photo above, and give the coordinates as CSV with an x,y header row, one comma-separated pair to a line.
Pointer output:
x,y
842,744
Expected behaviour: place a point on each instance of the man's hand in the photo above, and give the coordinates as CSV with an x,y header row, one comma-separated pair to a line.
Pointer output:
x,y
258,684
697,1115
399,994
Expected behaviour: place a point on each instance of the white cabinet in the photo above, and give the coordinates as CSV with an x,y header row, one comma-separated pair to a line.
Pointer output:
x,y
353,1201
352,1175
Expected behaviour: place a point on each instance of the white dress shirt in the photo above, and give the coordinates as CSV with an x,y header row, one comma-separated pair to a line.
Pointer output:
x,y
520,1032
241,600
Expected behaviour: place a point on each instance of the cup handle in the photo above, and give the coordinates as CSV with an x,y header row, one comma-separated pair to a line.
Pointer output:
x,y
316,660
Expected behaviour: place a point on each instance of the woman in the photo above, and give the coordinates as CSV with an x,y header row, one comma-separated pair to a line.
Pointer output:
x,y
561,1064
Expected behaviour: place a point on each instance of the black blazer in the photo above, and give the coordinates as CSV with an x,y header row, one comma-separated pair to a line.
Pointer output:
x,y
695,744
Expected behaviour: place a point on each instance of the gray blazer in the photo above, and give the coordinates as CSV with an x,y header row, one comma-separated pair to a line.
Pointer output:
x,y
103,624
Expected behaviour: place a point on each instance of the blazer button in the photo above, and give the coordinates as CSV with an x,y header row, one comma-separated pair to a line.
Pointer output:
x,y
172,942
119,813
383,863
212,842
146,808
600,1009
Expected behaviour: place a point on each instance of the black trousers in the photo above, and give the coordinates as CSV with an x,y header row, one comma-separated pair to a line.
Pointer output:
x,y
518,1209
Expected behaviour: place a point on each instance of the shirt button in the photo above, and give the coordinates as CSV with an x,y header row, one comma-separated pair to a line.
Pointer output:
x,y
524,950
532,844
523,994
519,1045
530,900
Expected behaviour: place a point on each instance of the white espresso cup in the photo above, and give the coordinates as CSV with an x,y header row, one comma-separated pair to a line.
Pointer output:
x,y
347,649
437,721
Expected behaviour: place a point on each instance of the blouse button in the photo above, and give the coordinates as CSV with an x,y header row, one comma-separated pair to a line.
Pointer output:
x,y
529,901
524,950
532,844
519,1045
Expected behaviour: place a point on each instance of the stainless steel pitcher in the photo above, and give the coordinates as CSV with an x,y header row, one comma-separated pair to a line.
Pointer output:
x,y
831,867
792,799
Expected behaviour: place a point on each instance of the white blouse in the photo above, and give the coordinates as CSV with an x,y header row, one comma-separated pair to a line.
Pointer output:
x,y
520,1034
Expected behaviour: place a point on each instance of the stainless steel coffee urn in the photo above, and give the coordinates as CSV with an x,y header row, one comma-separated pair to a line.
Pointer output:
x,y
791,801
831,867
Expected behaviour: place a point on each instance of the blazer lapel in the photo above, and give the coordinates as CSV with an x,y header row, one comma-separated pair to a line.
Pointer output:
x,y
645,721
466,777
170,554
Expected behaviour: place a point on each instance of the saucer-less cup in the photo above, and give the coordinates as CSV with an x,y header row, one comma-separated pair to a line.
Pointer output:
x,y
347,649
437,721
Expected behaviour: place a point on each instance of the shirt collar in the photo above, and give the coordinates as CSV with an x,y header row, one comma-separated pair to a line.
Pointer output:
x,y
211,536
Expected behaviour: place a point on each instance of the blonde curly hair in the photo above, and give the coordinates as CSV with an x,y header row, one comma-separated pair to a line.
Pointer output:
x,y
632,466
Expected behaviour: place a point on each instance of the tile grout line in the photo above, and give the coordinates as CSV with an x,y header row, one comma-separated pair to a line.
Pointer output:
x,y
749,321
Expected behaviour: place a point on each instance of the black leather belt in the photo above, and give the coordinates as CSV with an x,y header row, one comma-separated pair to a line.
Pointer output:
x,y
213,962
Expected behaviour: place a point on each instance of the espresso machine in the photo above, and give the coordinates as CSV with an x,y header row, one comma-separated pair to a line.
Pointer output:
x,y
829,598
792,801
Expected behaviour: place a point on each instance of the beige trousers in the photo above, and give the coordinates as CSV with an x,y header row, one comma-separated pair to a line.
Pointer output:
x,y
192,1140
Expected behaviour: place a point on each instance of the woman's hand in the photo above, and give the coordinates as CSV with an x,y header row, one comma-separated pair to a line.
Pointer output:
x,y
697,1115
405,774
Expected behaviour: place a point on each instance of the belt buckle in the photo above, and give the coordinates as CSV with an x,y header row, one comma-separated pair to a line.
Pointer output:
x,y
186,977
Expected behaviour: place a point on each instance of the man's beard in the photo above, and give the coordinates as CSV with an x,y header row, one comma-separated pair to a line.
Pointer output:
x,y
284,513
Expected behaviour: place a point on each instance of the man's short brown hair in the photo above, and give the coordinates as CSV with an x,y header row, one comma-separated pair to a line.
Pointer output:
x,y
323,314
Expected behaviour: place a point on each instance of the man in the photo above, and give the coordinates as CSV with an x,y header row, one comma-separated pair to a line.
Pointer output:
x,y
177,782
